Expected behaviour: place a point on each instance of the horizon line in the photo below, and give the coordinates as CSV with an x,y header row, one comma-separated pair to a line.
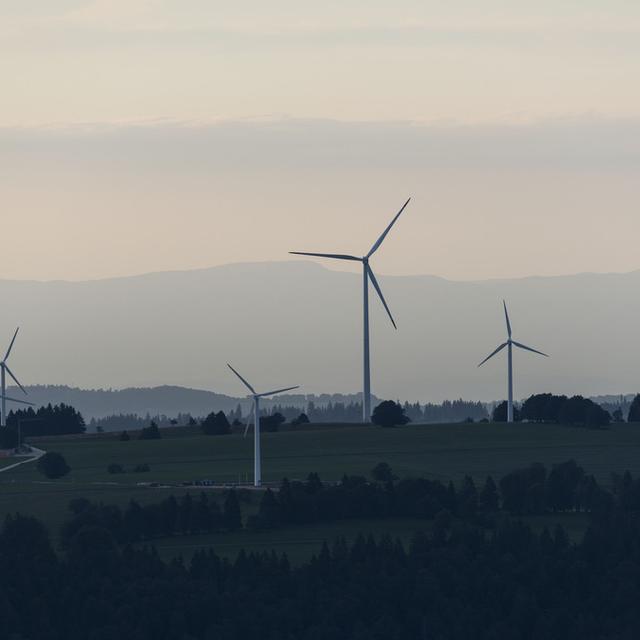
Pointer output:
x,y
318,265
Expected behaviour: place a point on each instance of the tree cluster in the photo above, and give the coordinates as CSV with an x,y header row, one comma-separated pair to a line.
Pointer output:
x,y
547,407
51,420
152,432
389,414
53,465
169,517
216,424
448,411
565,487
456,581
531,490
272,422
135,422
634,410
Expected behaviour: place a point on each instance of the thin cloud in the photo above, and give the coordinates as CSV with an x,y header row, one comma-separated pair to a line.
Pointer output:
x,y
585,142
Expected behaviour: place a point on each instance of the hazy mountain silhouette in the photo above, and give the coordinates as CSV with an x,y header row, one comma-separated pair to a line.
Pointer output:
x,y
162,400
300,323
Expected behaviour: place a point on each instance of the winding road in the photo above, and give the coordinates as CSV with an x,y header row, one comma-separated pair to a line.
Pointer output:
x,y
36,454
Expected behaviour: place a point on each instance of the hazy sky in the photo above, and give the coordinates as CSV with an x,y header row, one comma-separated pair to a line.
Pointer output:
x,y
142,135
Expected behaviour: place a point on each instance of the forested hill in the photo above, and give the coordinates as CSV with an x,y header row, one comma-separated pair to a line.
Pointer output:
x,y
172,401
167,400
163,400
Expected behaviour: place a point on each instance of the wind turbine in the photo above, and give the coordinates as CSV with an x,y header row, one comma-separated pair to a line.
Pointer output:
x,y
257,472
4,369
509,344
367,274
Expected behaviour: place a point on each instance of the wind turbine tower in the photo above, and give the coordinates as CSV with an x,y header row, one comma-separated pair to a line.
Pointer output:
x,y
257,470
510,343
367,274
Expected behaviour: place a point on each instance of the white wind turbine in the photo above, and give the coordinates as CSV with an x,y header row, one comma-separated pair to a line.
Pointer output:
x,y
4,369
509,344
257,471
367,274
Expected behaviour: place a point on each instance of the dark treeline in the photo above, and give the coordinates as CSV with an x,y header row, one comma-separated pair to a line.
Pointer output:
x,y
46,421
526,491
448,411
451,411
458,581
134,422
547,407
532,490
169,517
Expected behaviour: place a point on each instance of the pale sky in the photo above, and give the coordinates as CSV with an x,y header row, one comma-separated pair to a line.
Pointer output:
x,y
145,135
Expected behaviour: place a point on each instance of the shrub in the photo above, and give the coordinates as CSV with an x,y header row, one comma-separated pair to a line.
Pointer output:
x,y
500,412
124,437
389,414
382,472
216,424
53,465
115,468
634,410
141,468
271,423
301,419
151,432
583,412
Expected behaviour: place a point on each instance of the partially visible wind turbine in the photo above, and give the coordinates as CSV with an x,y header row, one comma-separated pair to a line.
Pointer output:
x,y
509,344
257,471
367,274
4,369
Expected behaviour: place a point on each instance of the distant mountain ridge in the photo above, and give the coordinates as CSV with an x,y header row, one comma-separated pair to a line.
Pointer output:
x,y
297,322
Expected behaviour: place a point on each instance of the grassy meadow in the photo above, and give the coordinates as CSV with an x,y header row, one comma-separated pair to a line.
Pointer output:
x,y
441,452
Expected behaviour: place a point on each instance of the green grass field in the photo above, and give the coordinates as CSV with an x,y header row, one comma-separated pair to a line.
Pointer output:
x,y
437,451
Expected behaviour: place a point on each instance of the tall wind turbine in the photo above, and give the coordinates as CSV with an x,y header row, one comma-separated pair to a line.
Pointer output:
x,y
367,274
4,369
257,471
510,344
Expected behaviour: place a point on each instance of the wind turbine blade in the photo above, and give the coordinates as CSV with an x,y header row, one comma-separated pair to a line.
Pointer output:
x,y
500,348
524,346
272,393
246,384
11,345
15,379
506,316
251,411
386,231
377,288
31,404
337,256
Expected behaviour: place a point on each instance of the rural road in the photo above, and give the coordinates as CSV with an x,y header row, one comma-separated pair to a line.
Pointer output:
x,y
36,454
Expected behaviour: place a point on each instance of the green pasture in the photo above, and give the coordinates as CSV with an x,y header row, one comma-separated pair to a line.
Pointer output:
x,y
437,451
441,452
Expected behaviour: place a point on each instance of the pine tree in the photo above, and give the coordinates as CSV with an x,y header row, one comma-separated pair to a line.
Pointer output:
x,y
468,498
634,410
489,499
232,515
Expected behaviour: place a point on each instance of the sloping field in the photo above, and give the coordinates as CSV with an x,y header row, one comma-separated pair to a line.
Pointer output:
x,y
437,451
